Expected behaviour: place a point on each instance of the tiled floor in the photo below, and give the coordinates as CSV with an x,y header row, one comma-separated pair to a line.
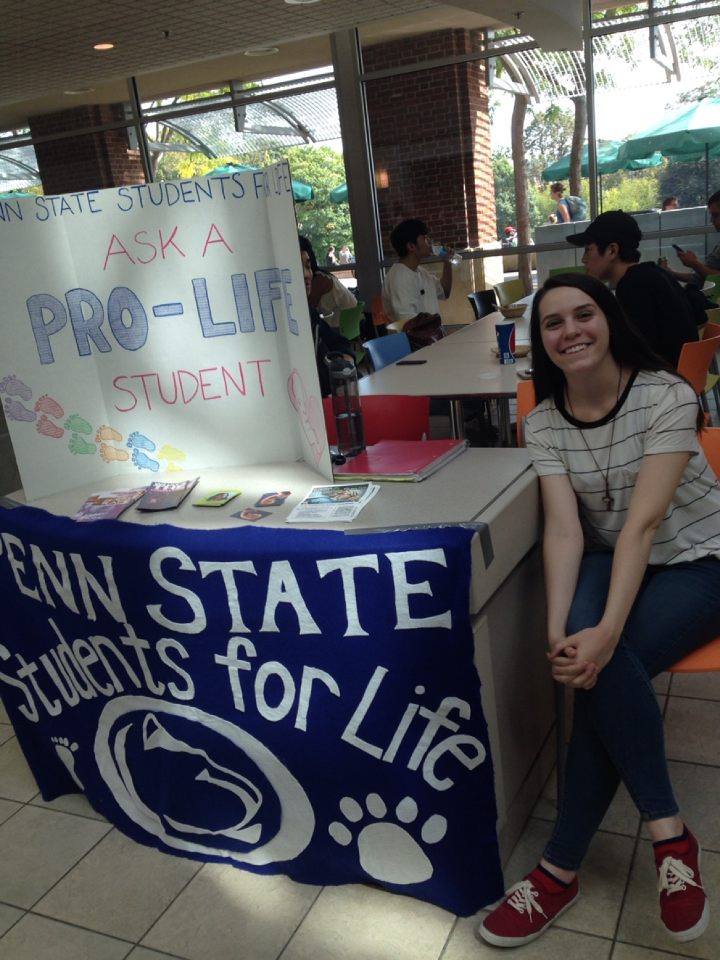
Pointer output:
x,y
73,888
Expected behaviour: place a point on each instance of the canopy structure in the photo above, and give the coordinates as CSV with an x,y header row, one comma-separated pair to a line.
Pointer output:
x,y
607,162
690,132
339,194
302,192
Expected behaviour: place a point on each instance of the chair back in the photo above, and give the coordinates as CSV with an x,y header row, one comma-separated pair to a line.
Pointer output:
x,y
379,317
385,350
387,418
483,302
525,403
509,291
350,320
695,359
574,269
711,329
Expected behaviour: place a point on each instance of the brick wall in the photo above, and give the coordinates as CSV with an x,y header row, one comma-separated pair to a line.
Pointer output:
x,y
430,134
88,162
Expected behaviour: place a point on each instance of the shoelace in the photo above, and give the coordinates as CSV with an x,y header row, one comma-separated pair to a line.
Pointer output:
x,y
523,898
674,875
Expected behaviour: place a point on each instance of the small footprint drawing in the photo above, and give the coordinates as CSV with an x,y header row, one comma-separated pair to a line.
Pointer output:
x,y
387,851
105,434
14,387
166,452
14,410
143,462
173,467
47,428
76,424
51,407
66,752
141,442
79,444
109,453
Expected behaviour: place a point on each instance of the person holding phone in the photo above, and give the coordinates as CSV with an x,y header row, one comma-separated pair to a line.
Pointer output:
x,y
652,300
614,440
699,270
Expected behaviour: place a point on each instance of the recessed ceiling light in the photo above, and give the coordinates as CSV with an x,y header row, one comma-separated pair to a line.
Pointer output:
x,y
260,51
78,92
298,2
103,46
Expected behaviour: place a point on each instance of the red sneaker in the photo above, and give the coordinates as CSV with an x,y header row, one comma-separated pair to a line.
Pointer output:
x,y
684,908
527,910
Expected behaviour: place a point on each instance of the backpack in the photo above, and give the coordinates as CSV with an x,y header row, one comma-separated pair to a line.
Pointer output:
x,y
577,208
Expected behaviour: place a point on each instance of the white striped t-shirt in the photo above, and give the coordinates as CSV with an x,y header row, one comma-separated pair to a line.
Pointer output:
x,y
656,413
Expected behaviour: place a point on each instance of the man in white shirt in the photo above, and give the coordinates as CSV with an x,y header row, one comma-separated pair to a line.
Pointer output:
x,y
411,292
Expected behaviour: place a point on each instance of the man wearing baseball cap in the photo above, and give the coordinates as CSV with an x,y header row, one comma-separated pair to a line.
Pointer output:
x,y
652,299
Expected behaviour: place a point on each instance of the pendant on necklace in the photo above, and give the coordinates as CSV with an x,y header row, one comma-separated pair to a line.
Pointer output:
x,y
608,500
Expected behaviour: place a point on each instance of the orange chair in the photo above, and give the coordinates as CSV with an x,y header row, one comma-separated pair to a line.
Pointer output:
x,y
525,403
387,418
695,360
707,658
379,317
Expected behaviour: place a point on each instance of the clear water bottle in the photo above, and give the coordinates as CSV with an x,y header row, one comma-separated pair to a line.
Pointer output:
x,y
346,404
440,250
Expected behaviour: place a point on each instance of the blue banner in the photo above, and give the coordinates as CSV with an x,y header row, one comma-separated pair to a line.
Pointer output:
x,y
297,702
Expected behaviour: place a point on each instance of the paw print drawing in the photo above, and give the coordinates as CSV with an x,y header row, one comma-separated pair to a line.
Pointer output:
x,y
66,752
388,852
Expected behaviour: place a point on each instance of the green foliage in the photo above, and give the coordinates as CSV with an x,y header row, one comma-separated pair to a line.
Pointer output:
x,y
324,223
548,136
631,190
686,181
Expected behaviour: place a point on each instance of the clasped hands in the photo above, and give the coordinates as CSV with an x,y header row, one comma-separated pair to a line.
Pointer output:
x,y
577,660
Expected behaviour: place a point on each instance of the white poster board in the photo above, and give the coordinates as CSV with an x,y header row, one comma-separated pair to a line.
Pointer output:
x,y
156,327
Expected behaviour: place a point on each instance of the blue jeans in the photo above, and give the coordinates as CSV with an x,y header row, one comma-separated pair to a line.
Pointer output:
x,y
617,726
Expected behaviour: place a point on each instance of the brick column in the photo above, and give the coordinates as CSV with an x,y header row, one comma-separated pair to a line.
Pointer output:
x,y
90,161
430,134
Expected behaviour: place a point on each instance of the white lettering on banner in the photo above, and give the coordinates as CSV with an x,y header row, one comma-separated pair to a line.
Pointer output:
x,y
283,588
199,621
110,598
61,584
347,567
227,569
404,589
17,566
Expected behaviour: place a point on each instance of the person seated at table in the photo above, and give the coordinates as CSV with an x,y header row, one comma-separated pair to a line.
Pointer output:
x,y
615,433
326,339
411,293
652,300
328,295
699,270
670,203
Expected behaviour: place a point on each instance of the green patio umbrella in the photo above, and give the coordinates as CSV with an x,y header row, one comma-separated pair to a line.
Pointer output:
x,y
690,132
339,194
607,162
302,192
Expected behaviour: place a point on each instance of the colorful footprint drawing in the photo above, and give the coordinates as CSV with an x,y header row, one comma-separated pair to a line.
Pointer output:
x,y
143,462
46,404
79,444
14,410
47,428
166,452
110,453
14,387
106,434
140,442
76,424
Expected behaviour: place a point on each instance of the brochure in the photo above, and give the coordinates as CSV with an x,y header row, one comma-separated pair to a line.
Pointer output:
x,y
108,505
166,496
217,498
333,502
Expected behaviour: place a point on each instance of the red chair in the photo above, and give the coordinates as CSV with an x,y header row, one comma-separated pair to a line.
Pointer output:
x,y
379,317
525,403
387,418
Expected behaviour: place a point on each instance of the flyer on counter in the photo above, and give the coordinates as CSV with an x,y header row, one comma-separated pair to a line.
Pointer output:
x,y
166,496
108,505
333,502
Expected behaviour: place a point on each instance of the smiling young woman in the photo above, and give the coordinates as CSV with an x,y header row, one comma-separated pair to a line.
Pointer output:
x,y
614,442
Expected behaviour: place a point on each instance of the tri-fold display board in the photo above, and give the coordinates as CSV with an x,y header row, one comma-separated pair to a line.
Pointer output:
x,y
155,327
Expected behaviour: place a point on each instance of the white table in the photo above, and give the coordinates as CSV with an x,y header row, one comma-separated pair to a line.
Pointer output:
x,y
459,367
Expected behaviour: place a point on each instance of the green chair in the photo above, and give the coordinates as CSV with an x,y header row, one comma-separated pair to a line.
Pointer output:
x,y
349,326
509,291
556,270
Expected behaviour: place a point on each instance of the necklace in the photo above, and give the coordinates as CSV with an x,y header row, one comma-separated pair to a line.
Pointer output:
x,y
607,499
